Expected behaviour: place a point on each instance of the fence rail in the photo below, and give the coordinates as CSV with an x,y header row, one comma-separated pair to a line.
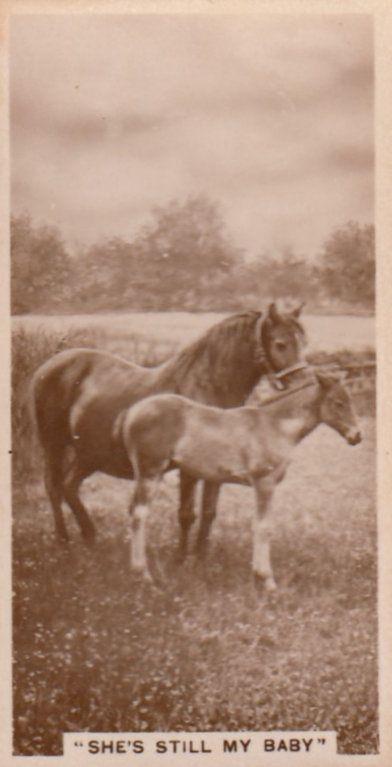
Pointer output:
x,y
360,377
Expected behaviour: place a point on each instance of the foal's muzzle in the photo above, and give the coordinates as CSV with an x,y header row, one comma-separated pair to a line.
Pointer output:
x,y
354,438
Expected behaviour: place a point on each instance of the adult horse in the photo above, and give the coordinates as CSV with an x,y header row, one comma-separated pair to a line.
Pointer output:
x,y
80,397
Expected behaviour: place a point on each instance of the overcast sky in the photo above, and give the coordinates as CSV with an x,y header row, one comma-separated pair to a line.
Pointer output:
x,y
269,115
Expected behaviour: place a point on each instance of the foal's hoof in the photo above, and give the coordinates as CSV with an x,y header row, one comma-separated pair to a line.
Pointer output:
x,y
264,584
145,580
142,575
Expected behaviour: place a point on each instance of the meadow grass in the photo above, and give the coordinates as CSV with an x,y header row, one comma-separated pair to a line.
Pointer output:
x,y
96,650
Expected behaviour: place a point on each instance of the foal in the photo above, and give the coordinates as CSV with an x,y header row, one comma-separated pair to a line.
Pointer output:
x,y
246,445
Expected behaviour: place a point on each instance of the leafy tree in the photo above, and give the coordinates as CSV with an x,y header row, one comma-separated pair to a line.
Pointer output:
x,y
288,276
184,245
347,264
182,259
40,267
105,275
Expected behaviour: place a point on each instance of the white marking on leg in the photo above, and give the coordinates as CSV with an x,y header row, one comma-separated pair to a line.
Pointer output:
x,y
138,540
261,563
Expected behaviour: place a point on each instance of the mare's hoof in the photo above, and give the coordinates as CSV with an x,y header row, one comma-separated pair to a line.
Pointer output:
x,y
201,550
89,536
179,557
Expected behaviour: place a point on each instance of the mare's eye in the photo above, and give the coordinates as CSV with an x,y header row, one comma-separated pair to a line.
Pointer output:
x,y
280,345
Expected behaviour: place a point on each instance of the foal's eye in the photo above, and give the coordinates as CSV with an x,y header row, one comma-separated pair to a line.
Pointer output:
x,y
281,345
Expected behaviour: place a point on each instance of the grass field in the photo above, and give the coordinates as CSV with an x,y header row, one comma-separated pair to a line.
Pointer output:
x,y
325,332
96,650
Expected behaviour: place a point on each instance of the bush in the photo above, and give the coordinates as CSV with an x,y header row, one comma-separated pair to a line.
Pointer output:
x,y
347,265
41,269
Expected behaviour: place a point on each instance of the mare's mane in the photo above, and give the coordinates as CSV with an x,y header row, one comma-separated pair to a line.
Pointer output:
x,y
228,349
232,353
220,341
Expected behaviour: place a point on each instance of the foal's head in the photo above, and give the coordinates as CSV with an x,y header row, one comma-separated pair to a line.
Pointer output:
x,y
336,409
283,338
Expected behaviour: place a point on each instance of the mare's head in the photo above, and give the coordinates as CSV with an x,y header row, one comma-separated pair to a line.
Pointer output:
x,y
283,340
336,409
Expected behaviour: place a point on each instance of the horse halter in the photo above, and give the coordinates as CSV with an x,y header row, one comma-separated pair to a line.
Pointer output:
x,y
276,378
288,392
282,374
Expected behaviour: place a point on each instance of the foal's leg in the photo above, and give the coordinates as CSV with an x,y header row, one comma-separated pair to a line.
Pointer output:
x,y
139,511
72,482
186,514
208,513
52,479
261,564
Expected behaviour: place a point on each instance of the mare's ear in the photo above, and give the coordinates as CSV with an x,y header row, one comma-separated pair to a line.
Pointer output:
x,y
297,311
326,380
273,313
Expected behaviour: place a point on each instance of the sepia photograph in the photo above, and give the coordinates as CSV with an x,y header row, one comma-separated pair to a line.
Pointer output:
x,y
192,261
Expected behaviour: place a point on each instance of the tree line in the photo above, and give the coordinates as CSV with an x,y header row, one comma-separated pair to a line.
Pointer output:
x,y
183,259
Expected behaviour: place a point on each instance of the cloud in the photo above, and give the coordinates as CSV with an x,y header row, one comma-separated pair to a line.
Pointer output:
x,y
271,115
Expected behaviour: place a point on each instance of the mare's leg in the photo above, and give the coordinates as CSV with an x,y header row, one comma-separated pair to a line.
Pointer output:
x,y
208,513
139,511
186,514
52,479
72,482
262,530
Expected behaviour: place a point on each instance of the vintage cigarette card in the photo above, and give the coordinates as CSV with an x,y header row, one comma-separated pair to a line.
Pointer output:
x,y
195,447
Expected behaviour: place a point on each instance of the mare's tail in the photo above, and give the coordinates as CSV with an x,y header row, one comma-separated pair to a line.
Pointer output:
x,y
52,393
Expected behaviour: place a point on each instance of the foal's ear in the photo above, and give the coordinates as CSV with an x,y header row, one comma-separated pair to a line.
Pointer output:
x,y
273,313
297,311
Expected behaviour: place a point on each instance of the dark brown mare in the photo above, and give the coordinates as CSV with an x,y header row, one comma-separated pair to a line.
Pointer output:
x,y
246,445
80,397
